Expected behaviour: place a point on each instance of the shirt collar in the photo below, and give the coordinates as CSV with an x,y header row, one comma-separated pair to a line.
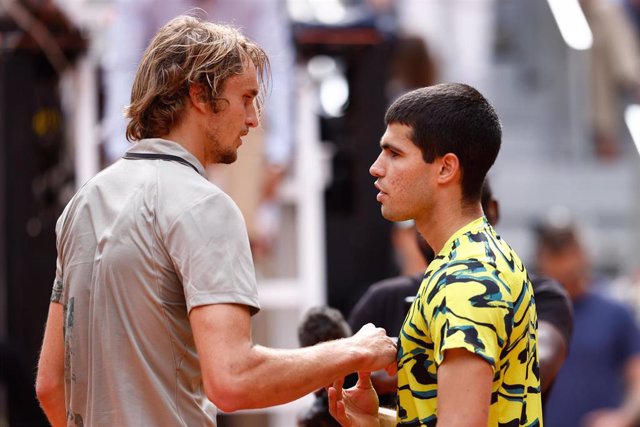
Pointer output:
x,y
473,226
164,146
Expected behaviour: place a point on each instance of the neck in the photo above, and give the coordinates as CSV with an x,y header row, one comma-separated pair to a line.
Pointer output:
x,y
445,219
185,132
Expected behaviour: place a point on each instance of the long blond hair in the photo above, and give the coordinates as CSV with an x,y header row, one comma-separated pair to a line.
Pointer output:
x,y
186,51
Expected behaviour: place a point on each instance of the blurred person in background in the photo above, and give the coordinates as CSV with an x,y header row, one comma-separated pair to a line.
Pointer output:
x,y
599,383
320,324
150,314
454,363
386,303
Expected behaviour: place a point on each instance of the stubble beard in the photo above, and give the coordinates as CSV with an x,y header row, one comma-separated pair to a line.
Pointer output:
x,y
220,155
227,157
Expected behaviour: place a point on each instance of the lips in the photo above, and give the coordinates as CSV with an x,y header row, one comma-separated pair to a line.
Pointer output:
x,y
380,192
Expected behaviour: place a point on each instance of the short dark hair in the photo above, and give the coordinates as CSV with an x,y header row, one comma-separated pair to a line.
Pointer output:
x,y
452,118
322,324
555,239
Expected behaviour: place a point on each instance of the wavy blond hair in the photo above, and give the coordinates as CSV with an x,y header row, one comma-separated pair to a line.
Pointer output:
x,y
187,51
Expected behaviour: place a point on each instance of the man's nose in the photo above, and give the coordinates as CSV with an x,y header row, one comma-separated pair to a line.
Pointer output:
x,y
252,117
376,169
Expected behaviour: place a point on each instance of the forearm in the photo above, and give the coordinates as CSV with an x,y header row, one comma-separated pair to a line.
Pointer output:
x,y
631,406
53,405
552,351
50,379
286,375
240,375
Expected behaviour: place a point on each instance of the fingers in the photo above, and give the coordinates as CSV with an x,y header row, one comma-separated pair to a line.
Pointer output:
x,y
332,394
367,328
381,349
364,380
336,404
338,384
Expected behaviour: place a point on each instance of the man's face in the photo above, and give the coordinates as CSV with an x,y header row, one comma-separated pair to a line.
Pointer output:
x,y
403,177
569,266
237,114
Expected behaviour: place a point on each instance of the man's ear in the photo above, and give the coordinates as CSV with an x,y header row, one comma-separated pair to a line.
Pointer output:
x,y
449,168
197,97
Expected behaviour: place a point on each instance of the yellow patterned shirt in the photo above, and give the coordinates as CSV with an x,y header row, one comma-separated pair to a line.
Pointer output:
x,y
475,295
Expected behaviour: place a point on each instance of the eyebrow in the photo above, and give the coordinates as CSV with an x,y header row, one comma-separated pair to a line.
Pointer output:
x,y
388,146
253,92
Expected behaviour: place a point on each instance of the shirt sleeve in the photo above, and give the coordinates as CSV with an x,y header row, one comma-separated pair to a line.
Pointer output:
x,y
56,292
209,246
469,312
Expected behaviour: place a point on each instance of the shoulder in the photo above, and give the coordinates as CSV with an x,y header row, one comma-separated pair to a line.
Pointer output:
x,y
549,291
553,304
192,197
395,286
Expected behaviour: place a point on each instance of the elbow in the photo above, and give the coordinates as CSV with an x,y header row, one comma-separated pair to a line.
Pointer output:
x,y
48,389
226,394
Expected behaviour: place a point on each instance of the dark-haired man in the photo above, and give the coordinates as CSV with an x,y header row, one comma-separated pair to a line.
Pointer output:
x,y
386,303
467,349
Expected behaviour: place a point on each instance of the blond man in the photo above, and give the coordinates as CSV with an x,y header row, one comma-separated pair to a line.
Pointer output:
x,y
149,322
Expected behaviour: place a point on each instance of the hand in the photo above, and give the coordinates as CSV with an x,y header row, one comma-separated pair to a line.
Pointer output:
x,y
608,418
354,407
380,350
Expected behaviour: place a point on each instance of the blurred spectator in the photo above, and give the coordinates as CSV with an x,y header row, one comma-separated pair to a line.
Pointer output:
x,y
385,304
615,71
318,325
599,384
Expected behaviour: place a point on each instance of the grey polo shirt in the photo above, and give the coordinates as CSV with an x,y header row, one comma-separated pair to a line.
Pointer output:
x,y
139,246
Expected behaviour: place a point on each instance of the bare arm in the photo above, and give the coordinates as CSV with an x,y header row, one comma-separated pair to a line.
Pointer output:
x,y
231,363
552,350
464,381
632,399
50,379
627,415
